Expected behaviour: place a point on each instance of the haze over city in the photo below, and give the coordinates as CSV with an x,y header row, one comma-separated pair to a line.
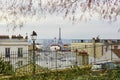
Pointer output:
x,y
48,28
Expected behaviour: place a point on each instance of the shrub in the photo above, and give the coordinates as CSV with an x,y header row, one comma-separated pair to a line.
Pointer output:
x,y
1,65
5,67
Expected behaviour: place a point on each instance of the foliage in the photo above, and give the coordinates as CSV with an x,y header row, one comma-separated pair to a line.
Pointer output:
x,y
5,67
61,74
1,65
74,73
107,9
112,74
27,70
64,74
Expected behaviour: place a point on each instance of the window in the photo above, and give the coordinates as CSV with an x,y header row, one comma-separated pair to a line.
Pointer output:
x,y
20,52
7,52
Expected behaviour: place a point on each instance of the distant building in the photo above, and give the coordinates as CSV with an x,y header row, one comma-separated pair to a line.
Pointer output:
x,y
98,50
112,53
66,47
14,49
58,44
88,47
38,47
55,47
83,58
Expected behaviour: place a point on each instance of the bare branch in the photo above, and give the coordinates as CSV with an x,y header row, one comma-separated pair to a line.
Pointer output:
x,y
12,11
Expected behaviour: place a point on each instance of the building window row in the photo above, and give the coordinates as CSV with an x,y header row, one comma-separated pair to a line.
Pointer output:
x,y
19,52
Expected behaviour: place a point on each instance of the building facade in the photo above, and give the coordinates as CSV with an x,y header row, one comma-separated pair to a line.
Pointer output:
x,y
89,47
111,53
14,49
82,58
98,50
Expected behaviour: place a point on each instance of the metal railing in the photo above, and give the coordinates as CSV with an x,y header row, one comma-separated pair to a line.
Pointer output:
x,y
44,60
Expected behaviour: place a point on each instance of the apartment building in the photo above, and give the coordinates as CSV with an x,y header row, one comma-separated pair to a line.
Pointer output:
x,y
98,50
14,49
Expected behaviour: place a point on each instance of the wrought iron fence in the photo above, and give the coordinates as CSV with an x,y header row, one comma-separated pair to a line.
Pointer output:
x,y
47,59
15,64
44,60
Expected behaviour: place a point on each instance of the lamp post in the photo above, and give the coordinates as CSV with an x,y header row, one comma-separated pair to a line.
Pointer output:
x,y
33,37
111,52
76,56
56,57
56,63
94,49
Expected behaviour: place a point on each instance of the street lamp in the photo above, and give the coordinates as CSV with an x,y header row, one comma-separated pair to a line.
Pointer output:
x,y
76,57
34,37
56,57
111,52
56,62
94,49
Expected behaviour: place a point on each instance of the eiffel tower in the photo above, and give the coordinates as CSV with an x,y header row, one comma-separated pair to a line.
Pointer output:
x,y
60,40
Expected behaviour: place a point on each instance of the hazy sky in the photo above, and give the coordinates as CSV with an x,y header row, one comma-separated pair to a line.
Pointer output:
x,y
48,28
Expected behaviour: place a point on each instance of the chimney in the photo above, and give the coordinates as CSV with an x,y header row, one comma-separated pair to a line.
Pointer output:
x,y
115,47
